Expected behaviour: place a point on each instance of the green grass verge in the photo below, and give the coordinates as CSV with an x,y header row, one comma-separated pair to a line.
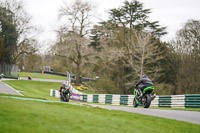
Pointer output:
x,y
34,89
19,116
41,76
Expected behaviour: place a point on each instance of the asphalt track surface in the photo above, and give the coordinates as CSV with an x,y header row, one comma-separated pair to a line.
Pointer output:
x,y
6,89
181,115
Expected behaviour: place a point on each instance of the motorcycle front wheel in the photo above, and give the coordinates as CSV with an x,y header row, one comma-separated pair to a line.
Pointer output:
x,y
67,98
134,103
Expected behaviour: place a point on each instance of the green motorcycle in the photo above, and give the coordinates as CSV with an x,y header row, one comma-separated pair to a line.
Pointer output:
x,y
146,98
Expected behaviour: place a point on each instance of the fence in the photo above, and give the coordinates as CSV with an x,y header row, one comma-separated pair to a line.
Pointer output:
x,y
173,101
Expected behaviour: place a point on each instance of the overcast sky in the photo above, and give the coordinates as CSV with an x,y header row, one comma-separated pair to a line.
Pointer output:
x,y
170,13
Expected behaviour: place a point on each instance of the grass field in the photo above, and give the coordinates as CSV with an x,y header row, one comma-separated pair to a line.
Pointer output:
x,y
18,116
41,76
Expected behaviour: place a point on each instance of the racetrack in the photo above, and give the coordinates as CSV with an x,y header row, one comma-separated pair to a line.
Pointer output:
x,y
181,115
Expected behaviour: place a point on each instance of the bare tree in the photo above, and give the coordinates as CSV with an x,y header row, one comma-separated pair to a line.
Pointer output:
x,y
189,36
187,48
144,57
77,16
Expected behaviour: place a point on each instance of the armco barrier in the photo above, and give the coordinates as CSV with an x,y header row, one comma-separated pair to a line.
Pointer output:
x,y
102,98
108,99
164,101
76,97
116,100
95,98
54,93
124,100
130,100
178,101
84,98
173,101
90,98
155,102
192,101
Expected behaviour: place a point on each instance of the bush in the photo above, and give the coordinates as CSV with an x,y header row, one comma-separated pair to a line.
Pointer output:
x,y
163,89
103,85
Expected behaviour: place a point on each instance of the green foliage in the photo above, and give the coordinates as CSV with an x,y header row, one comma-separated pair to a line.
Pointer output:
x,y
103,85
2,49
134,16
163,89
8,33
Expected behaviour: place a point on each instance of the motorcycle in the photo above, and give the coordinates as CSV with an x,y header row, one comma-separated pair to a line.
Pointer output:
x,y
65,94
146,98
64,98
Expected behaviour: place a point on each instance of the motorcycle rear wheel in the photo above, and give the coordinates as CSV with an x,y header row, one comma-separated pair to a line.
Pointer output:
x,y
147,101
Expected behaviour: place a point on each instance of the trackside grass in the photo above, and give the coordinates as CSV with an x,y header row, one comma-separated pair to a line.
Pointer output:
x,y
35,89
41,76
20,116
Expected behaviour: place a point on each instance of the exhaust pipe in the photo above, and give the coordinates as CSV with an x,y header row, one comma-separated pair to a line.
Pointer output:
x,y
153,97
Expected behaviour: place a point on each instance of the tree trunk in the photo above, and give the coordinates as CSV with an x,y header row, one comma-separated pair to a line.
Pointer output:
x,y
78,74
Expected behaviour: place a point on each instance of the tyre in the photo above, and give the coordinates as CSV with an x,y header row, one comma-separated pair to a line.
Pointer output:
x,y
147,101
134,103
61,98
67,98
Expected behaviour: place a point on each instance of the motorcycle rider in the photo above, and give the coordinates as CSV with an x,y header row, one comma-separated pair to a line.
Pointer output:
x,y
144,83
64,90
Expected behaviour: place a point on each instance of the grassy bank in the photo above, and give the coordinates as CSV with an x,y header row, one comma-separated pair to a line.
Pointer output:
x,y
41,76
35,89
32,116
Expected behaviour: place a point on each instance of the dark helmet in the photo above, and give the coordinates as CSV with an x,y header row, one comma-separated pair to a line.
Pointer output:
x,y
144,76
